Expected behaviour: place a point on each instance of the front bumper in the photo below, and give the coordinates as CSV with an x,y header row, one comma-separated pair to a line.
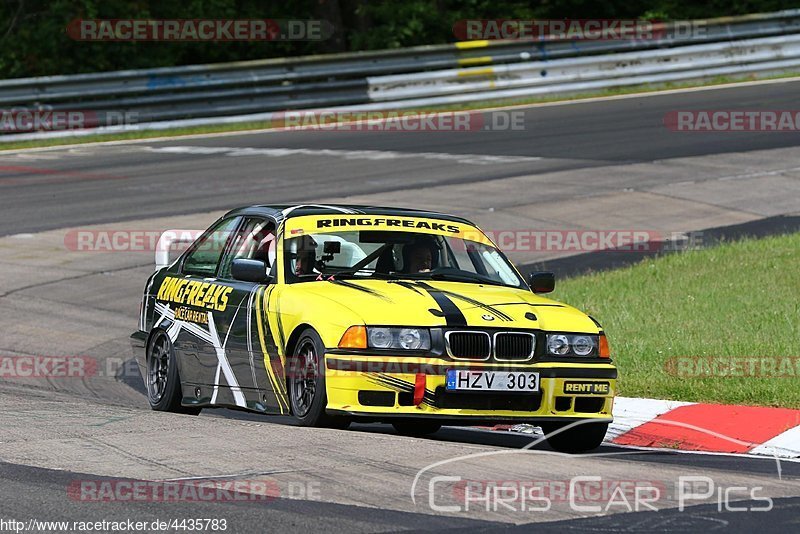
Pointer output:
x,y
382,388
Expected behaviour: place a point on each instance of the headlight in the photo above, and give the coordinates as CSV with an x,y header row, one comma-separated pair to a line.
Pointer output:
x,y
380,338
558,344
410,338
399,338
581,345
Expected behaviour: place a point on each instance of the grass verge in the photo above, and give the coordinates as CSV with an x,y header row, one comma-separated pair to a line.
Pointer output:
x,y
675,320
260,125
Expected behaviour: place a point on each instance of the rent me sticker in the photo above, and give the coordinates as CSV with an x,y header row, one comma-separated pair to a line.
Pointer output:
x,y
587,388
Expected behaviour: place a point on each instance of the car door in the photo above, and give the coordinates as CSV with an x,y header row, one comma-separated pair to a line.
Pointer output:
x,y
251,351
203,310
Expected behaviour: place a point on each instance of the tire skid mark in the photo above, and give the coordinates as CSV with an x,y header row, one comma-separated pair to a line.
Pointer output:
x,y
136,457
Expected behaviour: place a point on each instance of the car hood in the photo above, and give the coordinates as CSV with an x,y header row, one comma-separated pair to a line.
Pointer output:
x,y
436,303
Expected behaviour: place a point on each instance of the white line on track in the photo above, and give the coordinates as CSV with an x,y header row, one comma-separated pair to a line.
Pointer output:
x,y
369,155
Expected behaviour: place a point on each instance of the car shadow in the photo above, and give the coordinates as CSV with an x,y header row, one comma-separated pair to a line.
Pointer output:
x,y
466,435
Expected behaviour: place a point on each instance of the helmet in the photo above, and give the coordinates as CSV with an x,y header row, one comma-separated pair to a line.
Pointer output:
x,y
303,253
425,241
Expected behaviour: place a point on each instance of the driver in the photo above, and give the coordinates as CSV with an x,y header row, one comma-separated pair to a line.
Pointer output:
x,y
306,256
418,256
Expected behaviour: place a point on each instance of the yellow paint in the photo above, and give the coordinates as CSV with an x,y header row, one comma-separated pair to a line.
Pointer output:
x,y
466,45
469,61
477,72
278,383
318,224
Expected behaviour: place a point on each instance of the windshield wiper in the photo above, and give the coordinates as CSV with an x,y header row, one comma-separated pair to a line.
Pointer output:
x,y
464,276
347,275
385,276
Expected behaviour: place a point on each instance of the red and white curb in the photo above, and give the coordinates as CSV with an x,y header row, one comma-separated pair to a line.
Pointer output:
x,y
690,426
706,427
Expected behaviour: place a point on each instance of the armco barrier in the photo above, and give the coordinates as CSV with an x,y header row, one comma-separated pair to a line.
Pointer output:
x,y
413,77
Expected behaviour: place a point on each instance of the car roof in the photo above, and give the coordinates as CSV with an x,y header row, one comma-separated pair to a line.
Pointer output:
x,y
281,212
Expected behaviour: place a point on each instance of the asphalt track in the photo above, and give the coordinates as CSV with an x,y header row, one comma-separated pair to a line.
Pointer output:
x,y
92,185
603,164
31,490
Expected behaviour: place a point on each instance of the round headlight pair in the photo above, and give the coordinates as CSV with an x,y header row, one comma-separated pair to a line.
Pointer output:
x,y
560,345
403,338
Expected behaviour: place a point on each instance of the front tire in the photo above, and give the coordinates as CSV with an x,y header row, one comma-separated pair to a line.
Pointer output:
x,y
583,437
307,393
163,381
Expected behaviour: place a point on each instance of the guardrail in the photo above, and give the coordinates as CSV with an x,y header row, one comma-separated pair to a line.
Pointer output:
x,y
413,77
629,68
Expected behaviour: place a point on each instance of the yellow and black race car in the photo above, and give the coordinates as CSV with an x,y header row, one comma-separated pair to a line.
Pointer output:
x,y
340,313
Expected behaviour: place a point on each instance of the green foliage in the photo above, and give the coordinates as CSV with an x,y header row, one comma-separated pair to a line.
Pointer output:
x,y
33,40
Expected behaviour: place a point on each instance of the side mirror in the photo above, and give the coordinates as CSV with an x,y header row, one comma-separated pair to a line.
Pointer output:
x,y
250,271
543,282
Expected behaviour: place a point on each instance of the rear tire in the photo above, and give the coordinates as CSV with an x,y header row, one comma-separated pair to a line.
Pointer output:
x,y
307,395
416,428
163,381
583,437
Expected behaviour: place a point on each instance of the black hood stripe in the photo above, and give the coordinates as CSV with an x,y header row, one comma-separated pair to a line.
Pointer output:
x,y
441,296
485,307
363,289
406,285
528,304
452,314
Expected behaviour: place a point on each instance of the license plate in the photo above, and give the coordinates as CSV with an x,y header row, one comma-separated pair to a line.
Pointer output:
x,y
492,381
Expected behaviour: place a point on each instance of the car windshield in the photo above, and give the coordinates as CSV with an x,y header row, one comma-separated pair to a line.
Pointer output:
x,y
395,255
